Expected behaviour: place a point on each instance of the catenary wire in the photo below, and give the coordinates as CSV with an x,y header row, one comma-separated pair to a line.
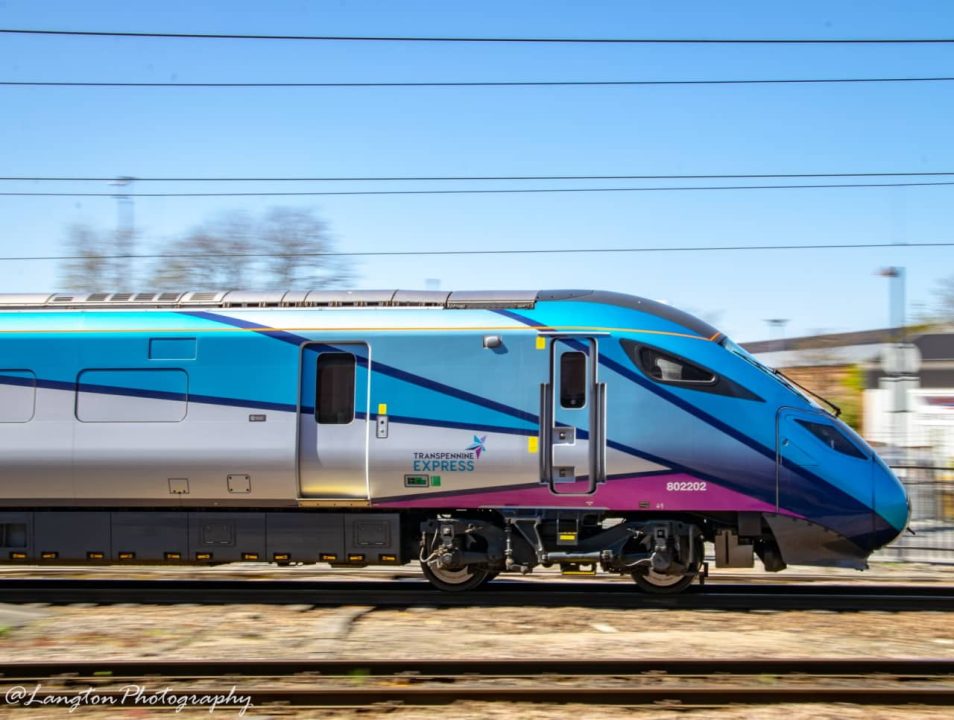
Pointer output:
x,y
528,251
488,191
434,178
485,39
477,84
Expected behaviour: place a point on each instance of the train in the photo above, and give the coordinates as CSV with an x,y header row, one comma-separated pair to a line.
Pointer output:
x,y
475,432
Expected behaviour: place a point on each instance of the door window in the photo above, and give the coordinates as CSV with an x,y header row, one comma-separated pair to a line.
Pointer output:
x,y
573,380
334,404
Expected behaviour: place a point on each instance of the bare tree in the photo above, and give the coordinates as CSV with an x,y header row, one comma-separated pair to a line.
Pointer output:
x,y
298,245
941,310
289,248
214,255
89,267
945,299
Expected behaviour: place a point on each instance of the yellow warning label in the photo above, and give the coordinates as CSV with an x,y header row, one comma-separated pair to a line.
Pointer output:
x,y
382,408
533,444
541,343
574,569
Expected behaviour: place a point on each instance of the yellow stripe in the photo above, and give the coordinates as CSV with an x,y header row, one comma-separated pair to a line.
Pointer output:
x,y
579,329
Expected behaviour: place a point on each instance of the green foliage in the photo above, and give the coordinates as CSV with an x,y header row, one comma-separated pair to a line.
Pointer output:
x,y
850,396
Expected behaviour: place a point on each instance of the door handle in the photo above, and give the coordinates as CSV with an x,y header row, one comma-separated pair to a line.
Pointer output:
x,y
545,446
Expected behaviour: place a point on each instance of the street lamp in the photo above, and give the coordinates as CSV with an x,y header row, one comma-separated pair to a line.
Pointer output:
x,y
900,361
125,232
895,300
778,324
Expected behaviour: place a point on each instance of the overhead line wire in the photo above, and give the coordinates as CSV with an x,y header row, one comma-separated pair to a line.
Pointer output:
x,y
494,191
485,39
434,178
528,251
477,83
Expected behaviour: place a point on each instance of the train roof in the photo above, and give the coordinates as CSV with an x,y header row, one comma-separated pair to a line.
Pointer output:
x,y
277,298
456,300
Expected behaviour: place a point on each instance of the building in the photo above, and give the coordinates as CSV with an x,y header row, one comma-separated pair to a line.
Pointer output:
x,y
911,413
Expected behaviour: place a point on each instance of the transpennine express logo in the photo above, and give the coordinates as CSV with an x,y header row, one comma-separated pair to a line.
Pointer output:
x,y
459,461
478,445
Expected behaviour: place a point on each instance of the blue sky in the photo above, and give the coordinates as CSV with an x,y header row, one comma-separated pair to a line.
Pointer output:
x,y
506,131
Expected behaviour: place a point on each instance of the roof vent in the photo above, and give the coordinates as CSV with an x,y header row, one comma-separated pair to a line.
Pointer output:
x,y
492,299
203,297
120,297
144,297
97,297
420,297
239,298
350,298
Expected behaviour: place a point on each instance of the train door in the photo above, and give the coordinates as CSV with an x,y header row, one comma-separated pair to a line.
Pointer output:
x,y
333,421
811,446
573,452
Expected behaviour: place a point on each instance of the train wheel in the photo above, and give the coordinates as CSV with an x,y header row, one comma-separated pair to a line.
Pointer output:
x,y
467,578
659,584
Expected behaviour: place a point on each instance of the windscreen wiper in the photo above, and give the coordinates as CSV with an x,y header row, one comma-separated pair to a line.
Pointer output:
x,y
828,402
751,360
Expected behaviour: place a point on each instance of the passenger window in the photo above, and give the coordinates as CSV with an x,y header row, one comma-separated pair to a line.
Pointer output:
x,y
130,395
334,404
832,437
17,396
671,369
573,380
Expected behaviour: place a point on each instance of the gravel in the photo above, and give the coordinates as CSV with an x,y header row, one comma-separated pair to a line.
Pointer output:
x,y
199,632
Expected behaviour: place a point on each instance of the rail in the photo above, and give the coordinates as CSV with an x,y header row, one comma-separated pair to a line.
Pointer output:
x,y
442,682
845,597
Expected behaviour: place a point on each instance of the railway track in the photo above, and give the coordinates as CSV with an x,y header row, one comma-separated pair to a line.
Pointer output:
x,y
441,682
501,593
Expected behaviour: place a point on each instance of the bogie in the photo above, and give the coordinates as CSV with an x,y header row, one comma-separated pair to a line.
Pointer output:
x,y
461,553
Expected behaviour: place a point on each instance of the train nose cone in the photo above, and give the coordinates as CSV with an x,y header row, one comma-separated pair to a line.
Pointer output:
x,y
891,502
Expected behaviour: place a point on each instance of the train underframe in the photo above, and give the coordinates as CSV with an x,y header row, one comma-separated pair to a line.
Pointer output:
x,y
458,550
662,554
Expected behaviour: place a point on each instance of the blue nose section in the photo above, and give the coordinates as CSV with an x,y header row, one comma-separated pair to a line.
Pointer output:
x,y
891,499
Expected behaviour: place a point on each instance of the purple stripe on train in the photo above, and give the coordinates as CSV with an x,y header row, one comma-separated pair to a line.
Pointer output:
x,y
671,491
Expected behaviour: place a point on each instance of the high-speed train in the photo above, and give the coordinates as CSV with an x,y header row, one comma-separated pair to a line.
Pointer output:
x,y
479,432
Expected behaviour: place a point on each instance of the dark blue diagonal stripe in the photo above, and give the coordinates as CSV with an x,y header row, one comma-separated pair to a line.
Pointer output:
x,y
71,386
385,369
247,325
454,425
454,392
19,381
671,398
131,392
521,319
688,407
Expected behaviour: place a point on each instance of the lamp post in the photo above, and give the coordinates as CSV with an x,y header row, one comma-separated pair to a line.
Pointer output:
x,y
778,325
896,362
125,232
895,300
